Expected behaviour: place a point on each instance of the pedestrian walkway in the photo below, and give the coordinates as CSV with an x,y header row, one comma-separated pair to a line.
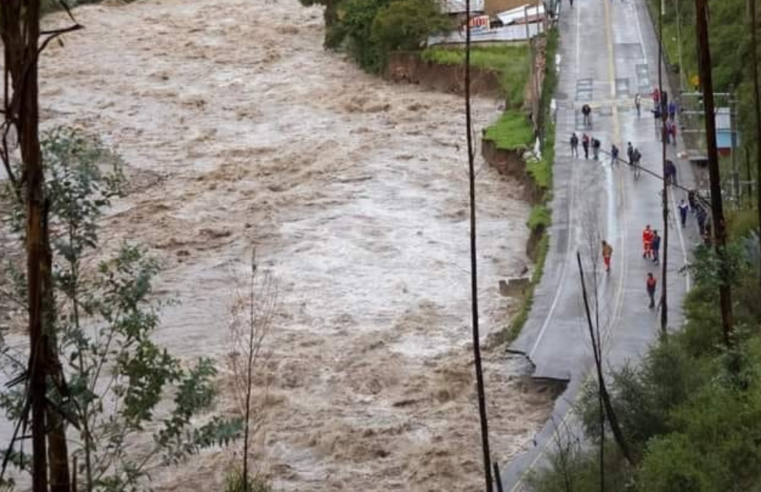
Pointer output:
x,y
608,54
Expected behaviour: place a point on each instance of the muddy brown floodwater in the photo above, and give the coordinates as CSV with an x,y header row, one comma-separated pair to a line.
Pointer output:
x,y
239,131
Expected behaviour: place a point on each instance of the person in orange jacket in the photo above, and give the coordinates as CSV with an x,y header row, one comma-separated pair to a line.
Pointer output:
x,y
647,242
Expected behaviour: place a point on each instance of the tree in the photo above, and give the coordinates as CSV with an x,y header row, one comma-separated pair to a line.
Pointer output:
x,y
253,313
23,42
406,24
104,321
371,29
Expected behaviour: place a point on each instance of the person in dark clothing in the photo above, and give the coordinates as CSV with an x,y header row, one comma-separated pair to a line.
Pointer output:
x,y
683,209
574,145
692,200
630,152
650,284
636,157
613,154
585,145
596,148
655,246
669,172
701,216
672,110
586,111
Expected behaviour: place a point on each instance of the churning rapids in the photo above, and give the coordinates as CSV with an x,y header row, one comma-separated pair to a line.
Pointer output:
x,y
238,132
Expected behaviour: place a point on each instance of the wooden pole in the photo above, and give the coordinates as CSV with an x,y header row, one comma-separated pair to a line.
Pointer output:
x,y
717,208
474,266
756,103
665,201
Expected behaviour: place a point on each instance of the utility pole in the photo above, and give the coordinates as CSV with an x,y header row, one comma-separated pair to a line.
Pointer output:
x,y
756,100
531,71
732,102
665,207
719,224
474,266
679,44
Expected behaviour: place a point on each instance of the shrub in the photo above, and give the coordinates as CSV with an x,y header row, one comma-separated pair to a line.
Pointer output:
x,y
539,219
234,482
405,25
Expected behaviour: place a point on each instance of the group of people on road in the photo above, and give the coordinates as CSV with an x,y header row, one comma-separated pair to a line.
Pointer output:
x,y
651,240
586,143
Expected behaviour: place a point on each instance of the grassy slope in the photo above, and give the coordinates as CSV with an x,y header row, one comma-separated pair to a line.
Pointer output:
x,y
511,61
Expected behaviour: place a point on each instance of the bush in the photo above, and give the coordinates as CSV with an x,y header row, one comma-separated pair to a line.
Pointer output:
x,y
371,29
539,219
405,25
234,482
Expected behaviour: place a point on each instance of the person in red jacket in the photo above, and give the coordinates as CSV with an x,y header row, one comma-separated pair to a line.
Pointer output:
x,y
650,284
647,242
607,252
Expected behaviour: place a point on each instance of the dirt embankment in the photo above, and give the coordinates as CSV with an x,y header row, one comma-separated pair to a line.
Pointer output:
x,y
411,68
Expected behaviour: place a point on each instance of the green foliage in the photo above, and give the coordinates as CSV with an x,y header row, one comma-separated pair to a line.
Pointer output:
x,y
511,132
105,325
691,411
510,61
371,29
740,223
539,219
405,25
235,482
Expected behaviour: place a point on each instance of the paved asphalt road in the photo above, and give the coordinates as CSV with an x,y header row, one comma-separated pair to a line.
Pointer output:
x,y
608,53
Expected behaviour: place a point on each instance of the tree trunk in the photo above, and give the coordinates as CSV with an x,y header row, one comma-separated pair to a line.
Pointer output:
x,y
717,208
756,108
25,84
20,31
58,453
618,434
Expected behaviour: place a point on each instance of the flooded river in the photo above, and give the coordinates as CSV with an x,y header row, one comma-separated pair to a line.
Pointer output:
x,y
240,132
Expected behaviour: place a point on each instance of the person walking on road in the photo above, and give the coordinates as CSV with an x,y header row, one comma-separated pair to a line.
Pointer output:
x,y
636,157
672,110
683,208
650,284
586,111
630,152
669,172
655,247
607,252
638,104
656,95
585,145
613,154
574,145
647,241
701,215
596,148
692,200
